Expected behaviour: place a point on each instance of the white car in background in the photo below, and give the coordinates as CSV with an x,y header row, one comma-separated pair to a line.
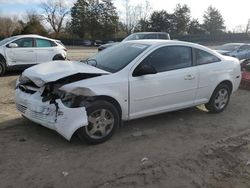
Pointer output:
x,y
130,80
22,51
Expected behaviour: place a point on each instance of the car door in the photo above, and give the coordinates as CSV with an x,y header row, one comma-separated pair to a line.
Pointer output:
x,y
173,87
45,50
210,70
23,54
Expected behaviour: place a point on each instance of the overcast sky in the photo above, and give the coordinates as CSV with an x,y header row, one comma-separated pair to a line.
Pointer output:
x,y
234,12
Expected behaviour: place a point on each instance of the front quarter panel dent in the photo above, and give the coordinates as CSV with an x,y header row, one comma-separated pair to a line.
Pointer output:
x,y
71,120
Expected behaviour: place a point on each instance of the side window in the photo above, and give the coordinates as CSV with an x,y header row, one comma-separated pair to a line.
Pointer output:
x,y
203,57
151,36
42,43
163,36
170,58
24,43
245,47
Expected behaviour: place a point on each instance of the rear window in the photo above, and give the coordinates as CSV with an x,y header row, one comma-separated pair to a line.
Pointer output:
x,y
163,36
42,43
203,57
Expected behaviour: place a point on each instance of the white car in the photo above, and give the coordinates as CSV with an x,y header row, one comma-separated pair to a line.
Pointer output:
x,y
22,51
131,80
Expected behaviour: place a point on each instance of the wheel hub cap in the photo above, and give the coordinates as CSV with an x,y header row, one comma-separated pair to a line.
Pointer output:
x,y
221,99
101,123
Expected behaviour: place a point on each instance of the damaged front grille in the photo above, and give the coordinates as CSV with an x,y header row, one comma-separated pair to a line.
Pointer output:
x,y
21,108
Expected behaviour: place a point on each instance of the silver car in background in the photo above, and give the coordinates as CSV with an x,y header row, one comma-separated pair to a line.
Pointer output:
x,y
138,36
238,50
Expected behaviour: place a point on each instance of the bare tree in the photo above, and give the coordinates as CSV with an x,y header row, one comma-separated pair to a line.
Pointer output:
x,y
242,28
133,14
55,12
8,26
248,26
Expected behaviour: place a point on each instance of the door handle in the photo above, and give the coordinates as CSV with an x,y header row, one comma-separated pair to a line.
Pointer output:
x,y
189,77
30,51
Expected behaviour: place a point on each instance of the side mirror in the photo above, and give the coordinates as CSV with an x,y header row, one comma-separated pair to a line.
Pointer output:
x,y
144,70
13,45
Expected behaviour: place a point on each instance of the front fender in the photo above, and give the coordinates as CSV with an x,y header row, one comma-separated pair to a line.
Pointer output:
x,y
115,91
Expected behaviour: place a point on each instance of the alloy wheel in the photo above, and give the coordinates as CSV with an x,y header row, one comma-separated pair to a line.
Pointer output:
x,y
101,123
221,99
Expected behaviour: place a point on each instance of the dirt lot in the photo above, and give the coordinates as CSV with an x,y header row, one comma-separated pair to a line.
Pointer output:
x,y
187,148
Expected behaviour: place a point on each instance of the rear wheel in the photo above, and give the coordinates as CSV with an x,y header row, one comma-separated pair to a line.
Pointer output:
x,y
2,68
58,57
219,99
103,120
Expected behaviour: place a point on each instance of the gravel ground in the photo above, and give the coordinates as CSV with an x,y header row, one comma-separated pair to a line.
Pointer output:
x,y
188,148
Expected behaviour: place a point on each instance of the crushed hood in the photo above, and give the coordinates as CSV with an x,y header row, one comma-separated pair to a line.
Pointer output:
x,y
53,71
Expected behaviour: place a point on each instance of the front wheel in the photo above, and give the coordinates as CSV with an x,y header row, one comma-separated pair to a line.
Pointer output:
x,y
219,99
58,58
2,68
103,121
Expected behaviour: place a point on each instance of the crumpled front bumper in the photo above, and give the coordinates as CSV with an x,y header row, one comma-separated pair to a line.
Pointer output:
x,y
55,116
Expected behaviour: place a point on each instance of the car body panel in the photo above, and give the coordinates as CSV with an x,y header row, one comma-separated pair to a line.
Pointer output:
x,y
20,56
148,94
52,71
63,120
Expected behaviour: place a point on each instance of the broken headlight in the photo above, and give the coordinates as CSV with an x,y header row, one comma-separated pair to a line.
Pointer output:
x,y
23,79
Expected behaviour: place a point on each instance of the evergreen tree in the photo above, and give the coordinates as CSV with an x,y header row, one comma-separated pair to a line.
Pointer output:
x,y
213,21
94,18
181,19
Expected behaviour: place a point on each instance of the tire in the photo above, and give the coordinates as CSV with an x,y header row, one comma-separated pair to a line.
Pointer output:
x,y
58,57
219,99
2,67
103,119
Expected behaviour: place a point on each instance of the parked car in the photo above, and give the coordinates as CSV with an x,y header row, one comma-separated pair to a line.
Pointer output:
x,y
22,51
131,80
98,43
87,43
139,36
238,50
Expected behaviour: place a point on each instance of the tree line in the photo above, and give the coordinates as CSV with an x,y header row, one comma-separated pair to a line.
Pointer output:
x,y
99,19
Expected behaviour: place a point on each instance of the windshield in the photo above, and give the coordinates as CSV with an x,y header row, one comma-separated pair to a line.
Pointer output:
x,y
5,41
117,57
228,47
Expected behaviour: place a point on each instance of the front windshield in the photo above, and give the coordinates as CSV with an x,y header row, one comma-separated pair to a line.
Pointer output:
x,y
228,47
135,37
5,41
117,57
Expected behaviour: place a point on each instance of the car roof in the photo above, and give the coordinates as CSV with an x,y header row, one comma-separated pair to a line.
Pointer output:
x,y
240,44
150,33
157,42
34,36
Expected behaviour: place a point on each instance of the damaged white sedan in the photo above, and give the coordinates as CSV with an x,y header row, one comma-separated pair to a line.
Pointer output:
x,y
131,80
